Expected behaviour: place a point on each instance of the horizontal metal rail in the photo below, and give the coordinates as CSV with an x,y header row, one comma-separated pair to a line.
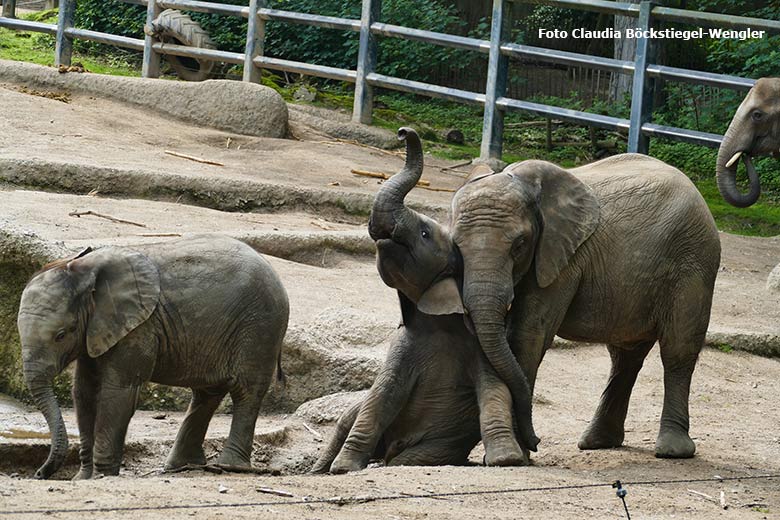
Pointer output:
x,y
426,89
308,69
203,7
316,20
682,135
715,19
198,53
565,114
435,38
26,25
109,39
598,6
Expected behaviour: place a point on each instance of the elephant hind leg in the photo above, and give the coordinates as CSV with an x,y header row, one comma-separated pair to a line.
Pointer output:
x,y
681,338
607,428
246,406
188,447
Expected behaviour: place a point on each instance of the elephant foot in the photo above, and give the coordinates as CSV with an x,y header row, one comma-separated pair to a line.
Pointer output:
x,y
601,438
506,453
85,473
230,459
178,460
349,461
107,470
674,444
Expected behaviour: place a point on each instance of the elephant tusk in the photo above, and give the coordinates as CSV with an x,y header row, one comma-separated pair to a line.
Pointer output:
x,y
508,307
733,159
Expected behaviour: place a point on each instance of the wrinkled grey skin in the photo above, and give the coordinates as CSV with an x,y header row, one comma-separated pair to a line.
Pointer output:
x,y
754,131
623,251
436,395
204,312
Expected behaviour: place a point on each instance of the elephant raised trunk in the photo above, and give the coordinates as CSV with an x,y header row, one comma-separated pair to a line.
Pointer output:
x,y
43,395
731,149
488,296
389,211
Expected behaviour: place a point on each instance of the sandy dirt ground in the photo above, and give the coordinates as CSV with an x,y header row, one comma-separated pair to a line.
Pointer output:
x,y
735,418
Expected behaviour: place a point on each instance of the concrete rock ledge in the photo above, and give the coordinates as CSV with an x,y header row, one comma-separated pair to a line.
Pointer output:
x,y
226,194
234,106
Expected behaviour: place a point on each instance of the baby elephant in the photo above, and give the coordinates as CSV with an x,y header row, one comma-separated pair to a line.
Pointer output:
x,y
437,394
205,312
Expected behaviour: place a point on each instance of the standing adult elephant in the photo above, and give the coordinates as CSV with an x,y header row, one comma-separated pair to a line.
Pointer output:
x,y
623,251
754,131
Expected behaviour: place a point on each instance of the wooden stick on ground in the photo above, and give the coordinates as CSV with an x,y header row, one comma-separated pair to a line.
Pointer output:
x,y
193,158
429,188
380,175
277,492
455,166
107,217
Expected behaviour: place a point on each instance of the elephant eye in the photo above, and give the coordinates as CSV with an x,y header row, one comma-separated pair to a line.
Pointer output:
x,y
757,115
425,233
60,336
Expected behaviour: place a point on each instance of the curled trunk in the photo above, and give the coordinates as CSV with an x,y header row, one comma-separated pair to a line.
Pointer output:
x,y
389,210
727,175
46,402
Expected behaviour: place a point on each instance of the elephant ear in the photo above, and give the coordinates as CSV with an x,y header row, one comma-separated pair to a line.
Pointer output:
x,y
125,293
443,297
570,213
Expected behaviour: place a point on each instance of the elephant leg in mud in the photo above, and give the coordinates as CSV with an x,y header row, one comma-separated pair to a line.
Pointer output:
x,y
388,395
607,428
246,406
85,392
188,447
343,427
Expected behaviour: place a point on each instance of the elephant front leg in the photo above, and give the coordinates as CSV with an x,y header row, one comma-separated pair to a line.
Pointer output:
x,y
115,407
385,400
85,391
343,427
495,420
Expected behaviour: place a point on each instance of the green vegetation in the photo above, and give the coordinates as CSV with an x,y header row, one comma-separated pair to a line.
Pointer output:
x,y
724,347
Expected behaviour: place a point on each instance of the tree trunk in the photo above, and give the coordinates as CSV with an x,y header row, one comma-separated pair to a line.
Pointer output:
x,y
51,4
625,49
9,8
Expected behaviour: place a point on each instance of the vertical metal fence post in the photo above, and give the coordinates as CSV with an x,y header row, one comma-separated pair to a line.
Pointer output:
x,y
63,49
498,67
642,86
151,63
364,93
255,37
9,8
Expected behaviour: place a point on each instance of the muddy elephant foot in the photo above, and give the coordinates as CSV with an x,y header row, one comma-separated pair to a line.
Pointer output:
x,y
107,470
230,459
85,473
599,437
177,459
349,461
506,453
674,444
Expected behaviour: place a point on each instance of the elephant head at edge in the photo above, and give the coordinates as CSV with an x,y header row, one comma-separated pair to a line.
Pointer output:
x,y
754,131
79,306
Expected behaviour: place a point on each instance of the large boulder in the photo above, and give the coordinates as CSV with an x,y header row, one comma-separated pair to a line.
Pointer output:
x,y
234,106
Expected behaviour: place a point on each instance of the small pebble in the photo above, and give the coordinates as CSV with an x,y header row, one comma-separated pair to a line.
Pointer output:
x,y
223,489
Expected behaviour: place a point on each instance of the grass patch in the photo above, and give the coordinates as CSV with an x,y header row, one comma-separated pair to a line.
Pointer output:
x,y
724,347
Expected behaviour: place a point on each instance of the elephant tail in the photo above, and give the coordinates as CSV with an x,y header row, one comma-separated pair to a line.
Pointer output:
x,y
280,377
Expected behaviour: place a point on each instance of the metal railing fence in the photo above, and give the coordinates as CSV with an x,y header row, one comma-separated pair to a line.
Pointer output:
x,y
498,48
